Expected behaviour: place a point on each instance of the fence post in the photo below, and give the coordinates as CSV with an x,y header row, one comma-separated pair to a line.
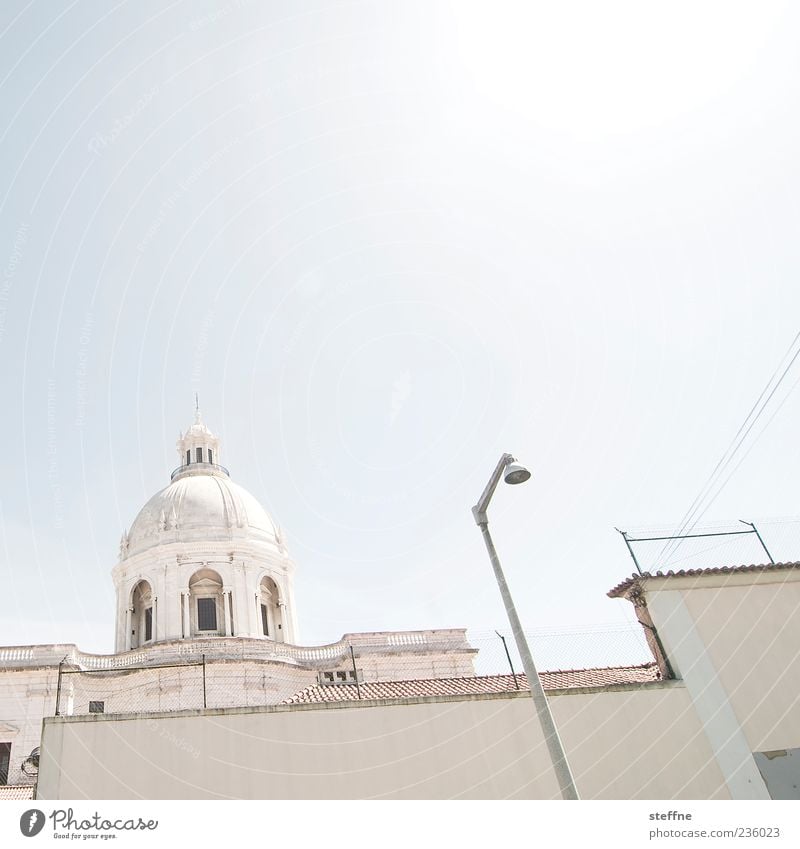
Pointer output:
x,y
58,691
755,531
630,550
205,704
508,655
355,671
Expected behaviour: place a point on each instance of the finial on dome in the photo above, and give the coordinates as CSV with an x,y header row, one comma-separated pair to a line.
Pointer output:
x,y
123,545
198,447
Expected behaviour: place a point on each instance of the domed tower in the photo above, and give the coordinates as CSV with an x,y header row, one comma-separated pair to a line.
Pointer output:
x,y
202,559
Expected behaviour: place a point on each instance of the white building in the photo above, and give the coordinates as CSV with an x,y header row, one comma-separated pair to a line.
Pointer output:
x,y
726,725
202,559
205,616
207,685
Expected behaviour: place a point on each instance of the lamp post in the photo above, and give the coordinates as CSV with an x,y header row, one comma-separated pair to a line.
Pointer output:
x,y
513,473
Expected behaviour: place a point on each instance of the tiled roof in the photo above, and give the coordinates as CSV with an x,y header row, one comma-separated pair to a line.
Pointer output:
x,y
621,589
16,791
475,685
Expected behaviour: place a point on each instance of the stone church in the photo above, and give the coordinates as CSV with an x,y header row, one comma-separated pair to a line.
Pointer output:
x,y
205,617
208,695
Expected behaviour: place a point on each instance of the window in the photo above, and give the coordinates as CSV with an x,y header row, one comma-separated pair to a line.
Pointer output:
x,y
97,707
264,626
210,456
148,624
206,614
199,453
5,760
340,676
188,456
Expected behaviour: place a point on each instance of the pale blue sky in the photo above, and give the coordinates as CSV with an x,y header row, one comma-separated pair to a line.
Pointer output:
x,y
386,242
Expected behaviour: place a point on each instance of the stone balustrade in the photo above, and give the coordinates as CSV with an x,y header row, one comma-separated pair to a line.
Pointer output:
x,y
236,648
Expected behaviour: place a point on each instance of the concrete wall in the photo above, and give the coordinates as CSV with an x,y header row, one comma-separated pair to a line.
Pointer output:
x,y
752,635
624,743
238,672
733,638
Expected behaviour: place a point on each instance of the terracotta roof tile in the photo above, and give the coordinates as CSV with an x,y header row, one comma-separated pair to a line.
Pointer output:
x,y
16,791
620,590
467,686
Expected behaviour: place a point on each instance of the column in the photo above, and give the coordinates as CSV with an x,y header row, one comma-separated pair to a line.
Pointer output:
x,y
226,611
280,632
128,614
242,606
187,619
154,635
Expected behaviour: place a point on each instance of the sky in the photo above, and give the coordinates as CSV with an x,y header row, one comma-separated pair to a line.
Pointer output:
x,y
386,243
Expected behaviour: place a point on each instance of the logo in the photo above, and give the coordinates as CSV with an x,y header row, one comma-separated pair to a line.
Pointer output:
x,y
31,822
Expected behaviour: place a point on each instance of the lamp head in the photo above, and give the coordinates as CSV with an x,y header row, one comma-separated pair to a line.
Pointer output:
x,y
515,473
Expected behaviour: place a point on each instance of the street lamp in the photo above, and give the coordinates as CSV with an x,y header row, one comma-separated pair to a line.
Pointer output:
x,y
513,473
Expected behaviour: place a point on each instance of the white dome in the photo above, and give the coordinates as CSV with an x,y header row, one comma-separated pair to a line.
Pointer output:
x,y
201,505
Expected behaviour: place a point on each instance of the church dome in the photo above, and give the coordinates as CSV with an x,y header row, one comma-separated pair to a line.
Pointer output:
x,y
201,502
203,559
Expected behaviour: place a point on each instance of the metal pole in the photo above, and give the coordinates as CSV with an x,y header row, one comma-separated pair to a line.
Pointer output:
x,y
505,646
205,704
355,671
630,550
563,773
58,690
755,530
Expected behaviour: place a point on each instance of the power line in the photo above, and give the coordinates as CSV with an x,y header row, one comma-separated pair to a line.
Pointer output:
x,y
691,518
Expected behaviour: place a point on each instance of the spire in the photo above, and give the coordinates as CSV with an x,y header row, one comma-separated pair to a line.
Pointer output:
x,y
198,448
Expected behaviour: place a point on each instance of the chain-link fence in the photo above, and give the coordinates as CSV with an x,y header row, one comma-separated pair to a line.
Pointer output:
x,y
727,543
244,674
580,648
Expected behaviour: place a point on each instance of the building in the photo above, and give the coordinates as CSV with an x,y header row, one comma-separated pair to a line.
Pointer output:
x,y
207,696
205,616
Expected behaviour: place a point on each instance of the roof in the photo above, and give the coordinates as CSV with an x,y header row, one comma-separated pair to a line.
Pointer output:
x,y
203,505
16,791
475,685
621,589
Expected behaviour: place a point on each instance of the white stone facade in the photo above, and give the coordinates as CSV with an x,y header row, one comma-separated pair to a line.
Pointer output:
x,y
214,672
203,558
205,616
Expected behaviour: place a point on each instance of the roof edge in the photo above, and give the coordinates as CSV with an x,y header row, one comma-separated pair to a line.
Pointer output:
x,y
623,589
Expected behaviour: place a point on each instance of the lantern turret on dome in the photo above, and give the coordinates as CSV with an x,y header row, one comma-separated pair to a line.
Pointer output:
x,y
203,558
197,445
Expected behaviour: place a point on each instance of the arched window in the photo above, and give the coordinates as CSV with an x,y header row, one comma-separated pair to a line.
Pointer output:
x,y
142,616
205,600
269,610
